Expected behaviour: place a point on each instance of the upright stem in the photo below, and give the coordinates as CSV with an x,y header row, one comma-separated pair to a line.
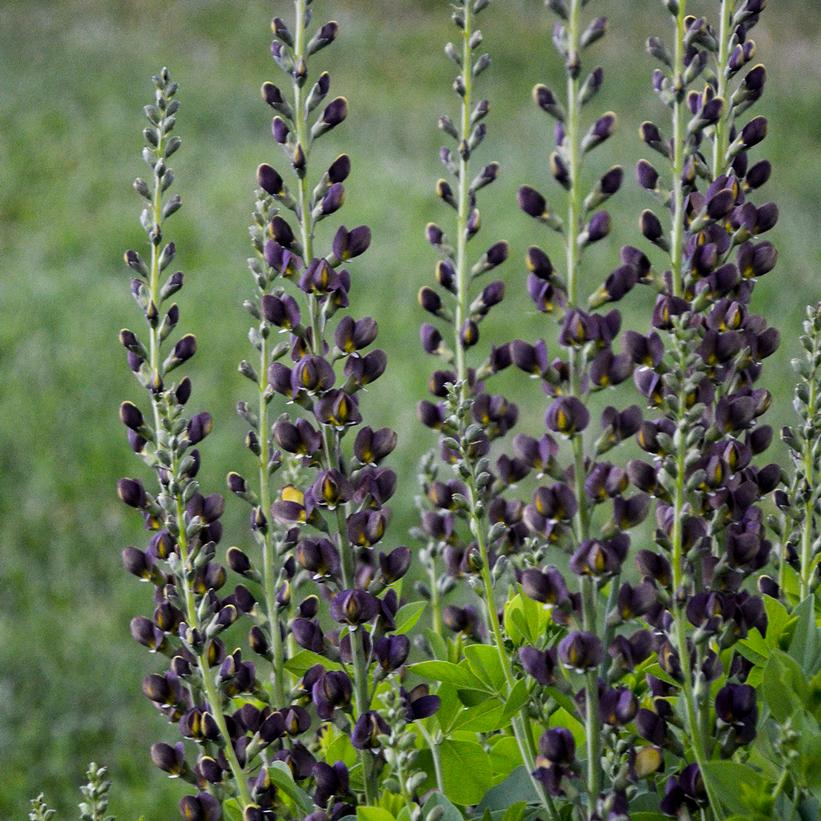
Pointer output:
x,y
462,274
437,760
680,619
679,114
331,456
573,230
269,558
807,568
435,598
211,693
722,126
520,723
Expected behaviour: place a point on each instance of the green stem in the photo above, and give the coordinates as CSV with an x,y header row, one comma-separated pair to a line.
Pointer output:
x,y
807,565
462,278
330,440
723,124
519,723
435,598
582,524
679,114
433,745
211,693
680,619
269,569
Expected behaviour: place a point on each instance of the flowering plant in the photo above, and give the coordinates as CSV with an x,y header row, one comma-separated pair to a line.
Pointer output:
x,y
617,613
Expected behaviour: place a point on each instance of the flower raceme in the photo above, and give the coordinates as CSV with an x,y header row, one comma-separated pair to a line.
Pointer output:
x,y
599,634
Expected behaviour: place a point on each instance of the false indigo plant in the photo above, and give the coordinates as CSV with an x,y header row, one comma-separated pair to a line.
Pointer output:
x,y
318,535
467,519
588,509
580,673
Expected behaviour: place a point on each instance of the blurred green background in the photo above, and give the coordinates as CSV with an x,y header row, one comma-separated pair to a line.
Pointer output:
x,y
74,76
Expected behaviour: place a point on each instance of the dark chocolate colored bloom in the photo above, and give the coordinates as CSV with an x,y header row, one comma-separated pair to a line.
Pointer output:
x,y
354,607
580,651
418,703
369,726
567,415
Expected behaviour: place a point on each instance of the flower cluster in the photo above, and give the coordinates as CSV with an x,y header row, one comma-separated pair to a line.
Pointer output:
x,y
191,609
468,417
589,507
697,370
612,642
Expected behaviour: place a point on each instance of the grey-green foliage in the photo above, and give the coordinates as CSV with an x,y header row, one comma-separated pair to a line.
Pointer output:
x,y
95,793
93,807
40,811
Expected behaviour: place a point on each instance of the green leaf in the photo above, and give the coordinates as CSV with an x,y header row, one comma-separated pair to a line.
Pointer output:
x,y
517,699
784,685
481,718
466,770
804,644
516,787
232,810
736,785
301,662
505,756
408,615
524,620
471,696
755,648
336,746
438,645
373,814
449,708
778,617
281,777
446,672
515,812
562,699
436,799
486,665
649,816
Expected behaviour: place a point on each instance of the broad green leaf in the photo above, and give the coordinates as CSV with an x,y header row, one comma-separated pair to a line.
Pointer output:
x,y
649,816
755,648
516,787
281,777
447,672
466,770
232,810
437,644
408,615
739,787
562,699
784,685
505,756
449,708
486,666
517,699
515,812
336,746
302,661
481,718
373,814
804,644
391,802
471,696
525,620
778,617
436,799
656,671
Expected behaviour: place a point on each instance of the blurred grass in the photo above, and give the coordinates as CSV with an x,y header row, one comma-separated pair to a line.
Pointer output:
x,y
74,77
